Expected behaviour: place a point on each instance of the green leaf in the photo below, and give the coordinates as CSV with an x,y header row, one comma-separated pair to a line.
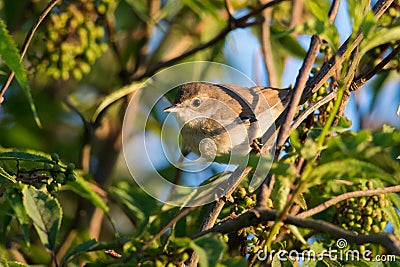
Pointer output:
x,y
319,9
17,205
309,149
237,261
46,214
132,208
322,28
114,96
86,246
10,54
351,167
186,242
357,10
7,263
295,231
27,156
213,246
379,37
394,218
4,176
83,188
141,10
280,192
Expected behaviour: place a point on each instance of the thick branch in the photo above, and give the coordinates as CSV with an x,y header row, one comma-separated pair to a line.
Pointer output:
x,y
260,215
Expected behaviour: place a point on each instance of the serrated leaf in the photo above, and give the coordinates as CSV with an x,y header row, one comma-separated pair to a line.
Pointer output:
x,y
114,96
46,214
10,54
21,155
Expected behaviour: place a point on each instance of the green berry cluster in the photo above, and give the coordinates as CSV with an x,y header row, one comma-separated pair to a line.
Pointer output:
x,y
242,201
51,175
363,215
74,39
256,236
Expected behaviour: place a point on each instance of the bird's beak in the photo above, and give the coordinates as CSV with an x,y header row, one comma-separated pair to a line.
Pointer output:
x,y
171,109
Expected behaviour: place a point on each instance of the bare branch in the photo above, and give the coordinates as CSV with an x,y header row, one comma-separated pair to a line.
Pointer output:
x,y
212,215
359,81
329,68
262,215
241,22
337,199
301,80
311,109
267,49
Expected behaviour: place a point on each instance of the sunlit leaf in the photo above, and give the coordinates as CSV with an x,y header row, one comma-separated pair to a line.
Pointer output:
x,y
379,37
10,54
46,214
115,96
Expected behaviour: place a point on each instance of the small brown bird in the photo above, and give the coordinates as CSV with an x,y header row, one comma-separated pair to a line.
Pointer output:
x,y
226,118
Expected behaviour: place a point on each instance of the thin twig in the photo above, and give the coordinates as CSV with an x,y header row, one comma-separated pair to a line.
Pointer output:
x,y
301,79
87,136
329,68
27,42
262,215
267,49
296,11
208,222
337,199
359,81
311,109
183,212
241,22
298,90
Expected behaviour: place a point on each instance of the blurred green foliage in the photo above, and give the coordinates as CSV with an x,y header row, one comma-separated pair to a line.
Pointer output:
x,y
83,63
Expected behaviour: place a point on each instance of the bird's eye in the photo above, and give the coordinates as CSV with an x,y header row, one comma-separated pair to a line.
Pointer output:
x,y
196,102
